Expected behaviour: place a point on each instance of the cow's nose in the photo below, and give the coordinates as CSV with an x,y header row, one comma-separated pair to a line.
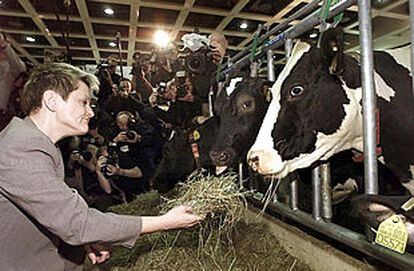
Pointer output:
x,y
219,156
254,162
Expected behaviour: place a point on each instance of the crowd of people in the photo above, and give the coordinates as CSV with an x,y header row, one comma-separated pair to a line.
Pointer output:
x,y
102,135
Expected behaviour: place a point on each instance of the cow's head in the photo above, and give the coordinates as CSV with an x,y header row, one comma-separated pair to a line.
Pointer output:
x,y
241,114
314,112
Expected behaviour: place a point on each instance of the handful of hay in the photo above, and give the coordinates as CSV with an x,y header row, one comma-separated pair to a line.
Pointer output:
x,y
211,197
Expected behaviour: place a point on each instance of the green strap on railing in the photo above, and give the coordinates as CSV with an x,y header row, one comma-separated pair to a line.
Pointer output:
x,y
325,11
254,46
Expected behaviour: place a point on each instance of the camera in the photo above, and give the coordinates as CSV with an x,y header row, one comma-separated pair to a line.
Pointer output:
x,y
111,159
103,64
198,61
162,87
130,134
86,155
198,55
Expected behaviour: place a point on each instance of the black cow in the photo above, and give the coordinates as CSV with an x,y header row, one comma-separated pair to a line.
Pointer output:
x,y
241,115
244,108
178,160
316,111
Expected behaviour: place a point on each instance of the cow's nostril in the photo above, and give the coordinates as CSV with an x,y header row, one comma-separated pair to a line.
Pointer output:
x,y
224,157
254,159
280,143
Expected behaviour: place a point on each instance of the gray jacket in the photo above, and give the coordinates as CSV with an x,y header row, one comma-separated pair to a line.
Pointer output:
x,y
38,210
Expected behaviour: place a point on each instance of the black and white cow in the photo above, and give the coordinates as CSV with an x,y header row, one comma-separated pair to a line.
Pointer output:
x,y
241,107
316,111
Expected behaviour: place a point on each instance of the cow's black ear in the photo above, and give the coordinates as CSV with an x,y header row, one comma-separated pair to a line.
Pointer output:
x,y
332,47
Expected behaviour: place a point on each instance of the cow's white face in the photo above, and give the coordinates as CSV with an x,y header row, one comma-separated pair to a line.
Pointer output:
x,y
310,118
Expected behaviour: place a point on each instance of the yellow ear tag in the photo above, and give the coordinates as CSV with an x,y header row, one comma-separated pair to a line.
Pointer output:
x,y
408,205
392,234
196,135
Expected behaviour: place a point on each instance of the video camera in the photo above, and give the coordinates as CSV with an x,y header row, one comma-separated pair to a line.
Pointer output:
x,y
197,53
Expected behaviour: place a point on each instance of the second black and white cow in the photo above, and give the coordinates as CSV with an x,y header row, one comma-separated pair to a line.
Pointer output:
x,y
241,107
316,111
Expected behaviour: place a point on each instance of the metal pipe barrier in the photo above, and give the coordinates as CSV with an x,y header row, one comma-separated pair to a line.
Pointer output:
x,y
282,26
294,195
368,98
354,240
316,194
305,25
270,67
326,191
411,8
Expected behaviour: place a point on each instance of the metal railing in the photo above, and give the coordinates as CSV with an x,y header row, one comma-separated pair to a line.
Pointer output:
x,y
322,209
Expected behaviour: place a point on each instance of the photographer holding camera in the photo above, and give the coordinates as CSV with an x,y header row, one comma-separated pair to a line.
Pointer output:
x,y
118,172
108,78
199,61
140,83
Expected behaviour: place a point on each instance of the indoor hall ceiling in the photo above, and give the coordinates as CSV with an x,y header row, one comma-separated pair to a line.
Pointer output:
x,y
91,30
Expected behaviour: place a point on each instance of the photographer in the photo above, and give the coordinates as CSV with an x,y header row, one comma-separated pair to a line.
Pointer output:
x,y
81,167
119,172
108,79
123,100
200,60
140,84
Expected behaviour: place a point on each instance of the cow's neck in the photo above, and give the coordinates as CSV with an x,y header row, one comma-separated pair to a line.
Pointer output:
x,y
396,104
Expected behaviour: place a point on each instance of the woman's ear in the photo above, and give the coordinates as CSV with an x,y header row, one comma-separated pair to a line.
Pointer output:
x,y
49,100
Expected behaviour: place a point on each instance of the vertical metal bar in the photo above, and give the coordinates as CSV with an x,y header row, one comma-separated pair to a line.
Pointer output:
x,y
368,97
294,189
211,102
326,192
288,47
316,193
241,174
412,38
270,66
254,69
294,195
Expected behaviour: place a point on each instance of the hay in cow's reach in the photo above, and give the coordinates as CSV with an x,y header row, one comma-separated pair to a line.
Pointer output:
x,y
211,197
246,246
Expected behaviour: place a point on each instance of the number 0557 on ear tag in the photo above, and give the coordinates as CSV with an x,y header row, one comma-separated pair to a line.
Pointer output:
x,y
392,234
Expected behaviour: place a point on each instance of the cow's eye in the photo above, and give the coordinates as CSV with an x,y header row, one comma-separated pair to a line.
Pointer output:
x,y
296,91
247,104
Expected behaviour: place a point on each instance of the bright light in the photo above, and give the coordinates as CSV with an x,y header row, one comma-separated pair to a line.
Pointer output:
x,y
161,38
313,35
112,44
243,26
109,11
30,39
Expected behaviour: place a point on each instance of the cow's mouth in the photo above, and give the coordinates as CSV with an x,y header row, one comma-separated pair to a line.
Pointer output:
x,y
220,169
296,145
223,158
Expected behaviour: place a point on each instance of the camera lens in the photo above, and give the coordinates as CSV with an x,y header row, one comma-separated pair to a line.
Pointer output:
x,y
130,135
